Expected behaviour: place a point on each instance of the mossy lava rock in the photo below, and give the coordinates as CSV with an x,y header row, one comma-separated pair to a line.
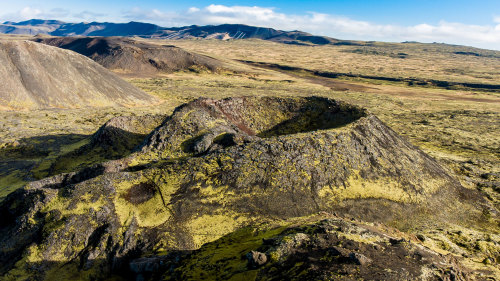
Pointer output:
x,y
212,167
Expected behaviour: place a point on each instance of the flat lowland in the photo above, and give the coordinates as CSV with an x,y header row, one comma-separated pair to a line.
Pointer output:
x,y
397,60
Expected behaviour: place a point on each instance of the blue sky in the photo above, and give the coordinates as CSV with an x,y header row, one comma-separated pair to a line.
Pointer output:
x,y
475,23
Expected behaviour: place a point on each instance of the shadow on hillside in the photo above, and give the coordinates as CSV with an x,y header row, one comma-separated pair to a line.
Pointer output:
x,y
39,146
18,162
129,267
316,114
109,144
28,152
38,157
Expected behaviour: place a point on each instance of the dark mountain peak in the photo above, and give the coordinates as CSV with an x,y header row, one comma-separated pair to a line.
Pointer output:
x,y
140,23
134,28
36,22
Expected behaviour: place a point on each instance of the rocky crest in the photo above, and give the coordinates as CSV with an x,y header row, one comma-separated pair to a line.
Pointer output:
x,y
215,166
115,139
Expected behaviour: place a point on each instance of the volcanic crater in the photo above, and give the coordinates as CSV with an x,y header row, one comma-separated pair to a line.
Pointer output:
x,y
215,166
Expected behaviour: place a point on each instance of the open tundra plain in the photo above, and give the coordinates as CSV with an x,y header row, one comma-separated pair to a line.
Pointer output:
x,y
249,160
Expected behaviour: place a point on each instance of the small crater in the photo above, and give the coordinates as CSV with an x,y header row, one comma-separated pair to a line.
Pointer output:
x,y
206,125
140,193
273,116
315,114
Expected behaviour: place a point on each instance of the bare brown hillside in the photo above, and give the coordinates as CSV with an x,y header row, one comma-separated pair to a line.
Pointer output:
x,y
134,57
36,76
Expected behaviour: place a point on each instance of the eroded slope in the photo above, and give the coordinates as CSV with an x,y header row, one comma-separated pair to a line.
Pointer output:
x,y
330,249
133,57
36,76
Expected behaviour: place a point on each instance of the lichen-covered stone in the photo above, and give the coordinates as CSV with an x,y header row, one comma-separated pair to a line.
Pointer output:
x,y
256,259
212,167
336,249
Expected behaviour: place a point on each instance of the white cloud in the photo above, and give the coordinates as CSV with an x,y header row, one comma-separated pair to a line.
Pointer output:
x,y
487,36
28,12
158,17
89,16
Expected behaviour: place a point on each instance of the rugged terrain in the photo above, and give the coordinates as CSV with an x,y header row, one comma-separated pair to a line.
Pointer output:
x,y
214,166
37,76
148,212
133,57
330,249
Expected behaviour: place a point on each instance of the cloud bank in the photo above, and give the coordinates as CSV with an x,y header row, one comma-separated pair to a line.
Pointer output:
x,y
485,36
33,13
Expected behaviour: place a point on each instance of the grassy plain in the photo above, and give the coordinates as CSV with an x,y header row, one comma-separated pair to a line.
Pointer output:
x,y
436,61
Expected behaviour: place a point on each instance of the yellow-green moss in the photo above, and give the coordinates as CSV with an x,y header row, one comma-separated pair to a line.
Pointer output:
x,y
207,228
10,183
154,211
222,259
357,188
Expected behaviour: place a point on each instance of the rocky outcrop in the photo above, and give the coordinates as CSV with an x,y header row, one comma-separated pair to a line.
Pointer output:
x,y
118,130
115,139
134,57
330,249
36,76
214,166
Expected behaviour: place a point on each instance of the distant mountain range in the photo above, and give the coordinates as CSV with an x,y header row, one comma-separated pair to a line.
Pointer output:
x,y
147,30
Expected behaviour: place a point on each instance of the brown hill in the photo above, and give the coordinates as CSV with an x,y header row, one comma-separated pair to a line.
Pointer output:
x,y
130,56
36,76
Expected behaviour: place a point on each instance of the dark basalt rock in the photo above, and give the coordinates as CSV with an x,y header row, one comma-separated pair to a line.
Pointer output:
x,y
359,259
335,250
212,167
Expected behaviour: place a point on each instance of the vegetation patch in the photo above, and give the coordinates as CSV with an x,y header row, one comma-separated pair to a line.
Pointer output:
x,y
140,193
